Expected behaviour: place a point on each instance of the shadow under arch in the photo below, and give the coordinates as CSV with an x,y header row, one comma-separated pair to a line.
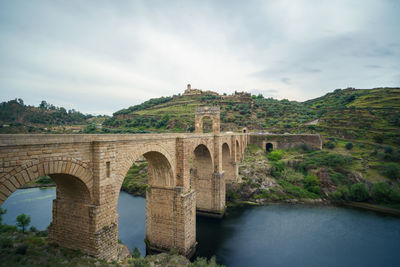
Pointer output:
x,y
159,195
238,150
71,222
227,166
66,173
201,177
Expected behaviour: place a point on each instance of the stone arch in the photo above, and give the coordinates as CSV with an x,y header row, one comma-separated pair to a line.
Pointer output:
x,y
238,150
160,163
227,166
211,112
71,176
202,174
204,122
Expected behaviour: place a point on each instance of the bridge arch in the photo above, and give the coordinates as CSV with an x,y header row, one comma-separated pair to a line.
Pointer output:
x,y
213,113
201,177
161,164
227,166
238,150
71,176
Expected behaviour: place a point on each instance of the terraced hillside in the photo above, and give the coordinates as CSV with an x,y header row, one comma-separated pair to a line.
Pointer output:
x,y
365,115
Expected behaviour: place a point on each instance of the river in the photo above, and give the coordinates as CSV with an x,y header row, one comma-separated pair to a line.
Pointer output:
x,y
275,235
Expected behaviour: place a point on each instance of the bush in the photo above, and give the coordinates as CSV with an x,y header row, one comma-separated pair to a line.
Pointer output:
x,y
136,253
1,213
381,192
359,192
22,249
392,170
311,183
45,180
323,159
23,221
349,146
202,262
395,195
330,145
388,150
338,178
296,191
277,168
291,176
6,242
275,155
336,195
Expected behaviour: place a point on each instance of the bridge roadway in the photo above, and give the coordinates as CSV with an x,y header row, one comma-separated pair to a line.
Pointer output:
x,y
187,172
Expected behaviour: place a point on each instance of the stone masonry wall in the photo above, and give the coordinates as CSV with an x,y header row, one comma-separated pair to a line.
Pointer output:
x,y
284,141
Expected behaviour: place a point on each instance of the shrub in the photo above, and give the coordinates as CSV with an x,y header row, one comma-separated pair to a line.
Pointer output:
x,y
359,192
388,150
338,178
275,155
6,242
336,195
45,180
323,159
311,183
345,192
392,170
304,147
277,168
349,146
291,176
296,191
23,221
136,253
381,192
1,213
395,195
330,145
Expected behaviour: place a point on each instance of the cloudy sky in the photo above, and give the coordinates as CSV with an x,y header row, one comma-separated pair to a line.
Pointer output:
x,y
101,56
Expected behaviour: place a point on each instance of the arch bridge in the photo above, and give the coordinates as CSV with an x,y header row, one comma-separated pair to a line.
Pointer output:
x,y
187,173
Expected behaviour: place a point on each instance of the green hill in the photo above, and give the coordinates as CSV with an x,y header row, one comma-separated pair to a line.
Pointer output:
x,y
16,117
367,115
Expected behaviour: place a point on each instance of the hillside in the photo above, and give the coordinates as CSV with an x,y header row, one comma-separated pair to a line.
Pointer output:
x,y
366,115
16,117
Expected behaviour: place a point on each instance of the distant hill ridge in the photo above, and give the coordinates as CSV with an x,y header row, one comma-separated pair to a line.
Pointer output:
x,y
359,114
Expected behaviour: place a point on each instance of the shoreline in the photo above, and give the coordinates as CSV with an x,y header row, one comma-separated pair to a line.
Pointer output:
x,y
27,186
320,202
303,201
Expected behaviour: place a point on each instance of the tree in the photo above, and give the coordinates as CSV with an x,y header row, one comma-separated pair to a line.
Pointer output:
x,y
23,221
43,105
392,170
1,213
136,253
381,192
349,146
359,192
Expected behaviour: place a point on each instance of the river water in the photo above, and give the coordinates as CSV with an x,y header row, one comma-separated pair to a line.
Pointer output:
x,y
275,235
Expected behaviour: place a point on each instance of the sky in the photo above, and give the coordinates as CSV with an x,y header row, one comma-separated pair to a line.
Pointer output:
x,y
101,56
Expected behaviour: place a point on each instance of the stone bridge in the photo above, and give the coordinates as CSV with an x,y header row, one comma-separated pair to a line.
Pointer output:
x,y
187,172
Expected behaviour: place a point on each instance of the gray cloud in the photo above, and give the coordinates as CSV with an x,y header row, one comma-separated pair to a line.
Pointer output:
x,y
285,80
112,54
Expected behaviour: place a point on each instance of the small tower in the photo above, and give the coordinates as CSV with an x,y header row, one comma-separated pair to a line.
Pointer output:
x,y
188,87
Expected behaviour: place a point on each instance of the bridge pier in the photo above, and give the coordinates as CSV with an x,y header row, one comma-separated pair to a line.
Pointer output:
x,y
216,207
74,227
170,220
